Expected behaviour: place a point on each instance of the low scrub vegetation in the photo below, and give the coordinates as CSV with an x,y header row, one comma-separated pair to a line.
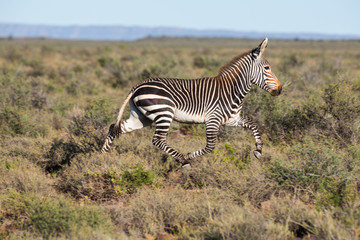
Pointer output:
x,y
58,98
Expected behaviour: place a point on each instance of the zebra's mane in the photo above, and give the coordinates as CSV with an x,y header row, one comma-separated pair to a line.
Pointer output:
x,y
231,63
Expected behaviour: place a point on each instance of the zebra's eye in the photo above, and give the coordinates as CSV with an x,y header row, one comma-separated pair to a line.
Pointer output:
x,y
267,67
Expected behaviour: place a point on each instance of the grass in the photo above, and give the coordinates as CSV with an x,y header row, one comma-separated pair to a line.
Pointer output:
x,y
57,99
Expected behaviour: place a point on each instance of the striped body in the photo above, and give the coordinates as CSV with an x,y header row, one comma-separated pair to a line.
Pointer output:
x,y
214,101
186,100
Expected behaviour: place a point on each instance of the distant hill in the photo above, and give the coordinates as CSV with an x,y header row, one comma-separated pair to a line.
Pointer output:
x,y
135,32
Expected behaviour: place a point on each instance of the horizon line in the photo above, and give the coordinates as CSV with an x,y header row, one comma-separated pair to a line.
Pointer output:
x,y
220,30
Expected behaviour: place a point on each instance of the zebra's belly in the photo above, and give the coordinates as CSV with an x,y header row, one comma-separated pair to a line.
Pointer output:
x,y
184,117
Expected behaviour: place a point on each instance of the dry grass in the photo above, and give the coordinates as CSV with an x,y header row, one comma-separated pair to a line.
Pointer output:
x,y
57,99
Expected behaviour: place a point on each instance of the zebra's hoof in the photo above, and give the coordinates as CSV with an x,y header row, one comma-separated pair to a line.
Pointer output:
x,y
257,154
186,166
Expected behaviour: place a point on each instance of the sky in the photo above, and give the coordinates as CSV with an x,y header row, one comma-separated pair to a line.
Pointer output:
x,y
278,16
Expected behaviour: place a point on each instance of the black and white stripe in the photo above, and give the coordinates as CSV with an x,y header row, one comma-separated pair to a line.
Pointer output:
x,y
214,101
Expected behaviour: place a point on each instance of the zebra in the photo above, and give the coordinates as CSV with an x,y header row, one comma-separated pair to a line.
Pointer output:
x,y
213,101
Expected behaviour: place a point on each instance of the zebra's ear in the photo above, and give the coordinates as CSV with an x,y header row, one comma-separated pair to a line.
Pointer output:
x,y
257,52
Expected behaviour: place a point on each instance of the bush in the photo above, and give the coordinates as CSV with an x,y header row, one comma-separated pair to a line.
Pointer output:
x,y
333,112
13,54
199,62
240,185
130,180
15,92
281,119
101,178
342,108
314,167
119,73
38,96
239,157
21,101
86,135
104,61
14,121
305,222
19,174
242,223
53,217
88,130
152,71
192,215
290,62
206,62
37,67
60,154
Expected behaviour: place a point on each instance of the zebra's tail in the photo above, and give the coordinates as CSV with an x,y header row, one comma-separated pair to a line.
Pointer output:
x,y
115,129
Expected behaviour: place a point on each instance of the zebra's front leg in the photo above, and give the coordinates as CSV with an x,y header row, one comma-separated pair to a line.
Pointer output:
x,y
247,123
212,130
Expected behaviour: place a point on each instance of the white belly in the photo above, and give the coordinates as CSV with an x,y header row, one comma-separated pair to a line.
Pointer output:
x,y
184,117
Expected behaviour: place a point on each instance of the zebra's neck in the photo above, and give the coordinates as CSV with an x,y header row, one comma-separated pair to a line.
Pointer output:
x,y
235,77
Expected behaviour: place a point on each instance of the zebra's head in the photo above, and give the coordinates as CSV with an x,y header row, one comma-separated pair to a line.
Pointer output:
x,y
262,75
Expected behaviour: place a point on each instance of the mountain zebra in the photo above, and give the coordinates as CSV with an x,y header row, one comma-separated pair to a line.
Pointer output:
x,y
214,101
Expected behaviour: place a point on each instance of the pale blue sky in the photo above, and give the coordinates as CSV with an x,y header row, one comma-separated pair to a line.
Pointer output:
x,y
339,17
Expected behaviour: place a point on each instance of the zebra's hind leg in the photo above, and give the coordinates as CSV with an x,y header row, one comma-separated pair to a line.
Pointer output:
x,y
159,140
254,128
136,121
112,134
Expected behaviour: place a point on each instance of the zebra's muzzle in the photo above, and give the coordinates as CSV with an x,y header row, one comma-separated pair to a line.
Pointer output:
x,y
276,92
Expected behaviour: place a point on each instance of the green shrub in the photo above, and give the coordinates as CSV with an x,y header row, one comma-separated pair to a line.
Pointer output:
x,y
104,61
290,62
243,224
14,91
335,114
199,62
305,222
206,62
152,71
14,121
343,105
21,102
53,217
19,174
38,96
60,154
239,157
119,73
105,177
130,180
241,185
311,167
88,130
193,215
13,54
281,119
20,147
